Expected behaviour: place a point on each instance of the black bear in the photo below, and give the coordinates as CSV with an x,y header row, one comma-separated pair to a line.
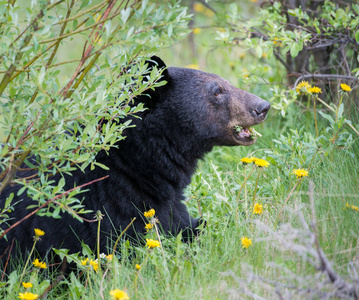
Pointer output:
x,y
186,117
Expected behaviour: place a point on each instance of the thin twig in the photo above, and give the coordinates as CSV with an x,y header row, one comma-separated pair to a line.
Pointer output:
x,y
48,202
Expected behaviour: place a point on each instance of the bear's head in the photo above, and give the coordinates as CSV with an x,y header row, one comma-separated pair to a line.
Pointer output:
x,y
204,107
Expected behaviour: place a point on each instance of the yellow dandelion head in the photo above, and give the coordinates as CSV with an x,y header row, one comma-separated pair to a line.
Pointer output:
x,y
193,66
196,30
303,87
246,160
300,173
199,7
149,226
109,257
138,267
345,87
150,213
261,163
27,285
315,90
152,243
28,296
39,264
39,232
119,295
246,242
258,208
94,265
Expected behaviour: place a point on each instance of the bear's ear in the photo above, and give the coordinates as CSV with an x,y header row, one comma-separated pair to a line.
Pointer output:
x,y
156,61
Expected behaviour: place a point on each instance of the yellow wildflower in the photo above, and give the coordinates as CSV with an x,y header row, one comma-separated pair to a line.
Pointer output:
x,y
119,295
149,226
303,87
300,173
196,30
315,90
152,243
242,55
27,285
199,7
246,242
39,264
94,265
109,257
138,267
193,66
261,163
355,207
28,296
345,87
84,261
246,160
150,213
39,232
258,208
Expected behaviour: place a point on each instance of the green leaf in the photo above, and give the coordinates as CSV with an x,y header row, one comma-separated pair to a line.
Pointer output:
x,y
328,117
357,36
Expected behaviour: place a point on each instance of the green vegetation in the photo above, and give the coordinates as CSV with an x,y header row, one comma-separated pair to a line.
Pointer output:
x,y
303,226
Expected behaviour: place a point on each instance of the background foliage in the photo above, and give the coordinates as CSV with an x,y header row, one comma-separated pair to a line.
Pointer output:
x,y
304,243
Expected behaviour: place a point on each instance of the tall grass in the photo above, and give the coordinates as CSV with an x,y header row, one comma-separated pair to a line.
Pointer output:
x,y
215,265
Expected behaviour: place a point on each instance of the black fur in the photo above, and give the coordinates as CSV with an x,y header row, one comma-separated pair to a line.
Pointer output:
x,y
150,168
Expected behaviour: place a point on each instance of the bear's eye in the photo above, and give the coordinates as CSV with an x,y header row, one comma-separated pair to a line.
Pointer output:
x,y
217,91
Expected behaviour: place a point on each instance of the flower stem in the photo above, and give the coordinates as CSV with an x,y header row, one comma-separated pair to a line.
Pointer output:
x,y
255,189
122,233
27,261
285,203
239,192
315,116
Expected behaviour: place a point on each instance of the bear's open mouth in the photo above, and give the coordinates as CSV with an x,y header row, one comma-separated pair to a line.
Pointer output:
x,y
246,133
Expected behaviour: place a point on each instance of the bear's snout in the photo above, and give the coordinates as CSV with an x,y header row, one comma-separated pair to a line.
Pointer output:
x,y
261,109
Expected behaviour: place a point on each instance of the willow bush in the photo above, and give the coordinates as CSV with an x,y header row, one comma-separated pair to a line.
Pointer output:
x,y
68,72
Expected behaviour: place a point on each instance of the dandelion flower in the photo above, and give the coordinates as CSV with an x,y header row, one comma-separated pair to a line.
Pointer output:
x,y
119,295
345,87
193,66
300,173
138,267
196,30
94,264
109,257
246,242
303,87
28,296
258,208
39,264
39,232
261,163
315,90
150,213
246,160
149,226
152,243
199,7
27,285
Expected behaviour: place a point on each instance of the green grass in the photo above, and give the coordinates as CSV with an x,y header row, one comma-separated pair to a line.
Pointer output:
x,y
216,266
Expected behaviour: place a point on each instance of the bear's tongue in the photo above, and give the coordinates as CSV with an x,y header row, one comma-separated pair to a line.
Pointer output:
x,y
244,133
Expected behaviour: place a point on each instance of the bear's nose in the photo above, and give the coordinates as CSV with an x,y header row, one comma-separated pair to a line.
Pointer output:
x,y
262,108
